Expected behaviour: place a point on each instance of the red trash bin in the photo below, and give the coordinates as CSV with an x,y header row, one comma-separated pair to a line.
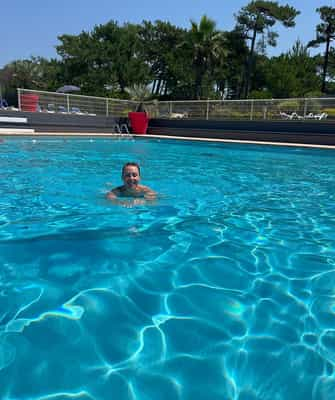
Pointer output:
x,y
139,122
29,102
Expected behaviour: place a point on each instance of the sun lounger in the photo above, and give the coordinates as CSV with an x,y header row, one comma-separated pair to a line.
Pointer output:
x,y
291,116
62,110
76,110
50,108
3,104
283,115
178,115
316,116
321,116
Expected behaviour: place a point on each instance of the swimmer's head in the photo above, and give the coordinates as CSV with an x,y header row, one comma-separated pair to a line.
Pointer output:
x,y
131,164
131,174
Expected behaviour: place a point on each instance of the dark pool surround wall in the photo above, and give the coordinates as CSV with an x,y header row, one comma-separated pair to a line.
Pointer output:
x,y
47,122
311,132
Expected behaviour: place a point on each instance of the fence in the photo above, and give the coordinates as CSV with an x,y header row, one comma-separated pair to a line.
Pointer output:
x,y
270,109
51,102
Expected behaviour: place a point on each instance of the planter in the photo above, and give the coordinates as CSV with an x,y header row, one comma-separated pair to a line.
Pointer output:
x,y
139,122
29,102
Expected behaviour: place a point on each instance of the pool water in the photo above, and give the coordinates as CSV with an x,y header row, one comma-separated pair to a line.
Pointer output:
x,y
224,288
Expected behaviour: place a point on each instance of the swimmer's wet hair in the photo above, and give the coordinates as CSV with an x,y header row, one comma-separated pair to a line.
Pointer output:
x,y
131,164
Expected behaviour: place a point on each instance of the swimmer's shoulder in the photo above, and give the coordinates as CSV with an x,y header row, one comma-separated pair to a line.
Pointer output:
x,y
116,192
147,191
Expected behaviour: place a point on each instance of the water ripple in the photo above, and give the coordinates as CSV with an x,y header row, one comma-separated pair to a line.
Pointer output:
x,y
224,289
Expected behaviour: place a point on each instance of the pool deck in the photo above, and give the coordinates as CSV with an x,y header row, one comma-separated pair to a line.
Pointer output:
x,y
33,134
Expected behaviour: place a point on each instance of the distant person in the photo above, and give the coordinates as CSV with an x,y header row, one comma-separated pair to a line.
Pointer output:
x,y
131,187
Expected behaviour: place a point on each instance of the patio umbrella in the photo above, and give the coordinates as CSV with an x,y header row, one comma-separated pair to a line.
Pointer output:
x,y
68,88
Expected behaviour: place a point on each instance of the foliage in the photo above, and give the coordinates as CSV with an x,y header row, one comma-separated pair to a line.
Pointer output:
x,y
260,94
293,74
139,92
105,61
35,73
325,33
207,45
170,68
258,17
329,111
228,70
158,60
289,105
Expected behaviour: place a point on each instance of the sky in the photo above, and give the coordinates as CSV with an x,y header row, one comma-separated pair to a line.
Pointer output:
x,y
30,27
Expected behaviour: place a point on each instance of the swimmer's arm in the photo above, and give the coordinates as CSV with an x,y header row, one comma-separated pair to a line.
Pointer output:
x,y
120,202
149,194
128,203
113,194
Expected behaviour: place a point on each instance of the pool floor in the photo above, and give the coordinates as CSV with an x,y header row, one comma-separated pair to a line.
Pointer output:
x,y
223,288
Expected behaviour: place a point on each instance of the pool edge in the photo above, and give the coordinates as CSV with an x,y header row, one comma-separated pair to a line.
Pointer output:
x,y
168,137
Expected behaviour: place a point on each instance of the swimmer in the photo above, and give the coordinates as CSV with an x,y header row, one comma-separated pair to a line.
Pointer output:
x,y
131,187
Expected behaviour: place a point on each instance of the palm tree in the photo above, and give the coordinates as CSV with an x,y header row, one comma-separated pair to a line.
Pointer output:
x,y
207,45
325,33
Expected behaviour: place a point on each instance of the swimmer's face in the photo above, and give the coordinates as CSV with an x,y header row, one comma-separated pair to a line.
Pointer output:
x,y
131,176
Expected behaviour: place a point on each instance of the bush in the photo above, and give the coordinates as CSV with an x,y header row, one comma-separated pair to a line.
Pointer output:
x,y
329,111
289,105
260,94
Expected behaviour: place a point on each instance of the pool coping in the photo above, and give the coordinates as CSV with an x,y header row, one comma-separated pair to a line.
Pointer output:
x,y
16,132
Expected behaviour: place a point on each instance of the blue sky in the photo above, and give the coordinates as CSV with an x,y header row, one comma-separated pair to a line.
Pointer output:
x,y
30,27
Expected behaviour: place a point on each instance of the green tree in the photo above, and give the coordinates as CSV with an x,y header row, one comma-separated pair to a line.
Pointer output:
x,y
258,17
120,55
293,74
207,45
35,73
105,61
228,75
80,63
325,33
331,72
168,62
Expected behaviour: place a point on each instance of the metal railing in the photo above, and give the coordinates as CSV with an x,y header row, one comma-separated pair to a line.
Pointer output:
x,y
66,103
269,109
272,109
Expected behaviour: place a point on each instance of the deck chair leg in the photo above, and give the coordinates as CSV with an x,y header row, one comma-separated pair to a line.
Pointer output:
x,y
124,128
117,128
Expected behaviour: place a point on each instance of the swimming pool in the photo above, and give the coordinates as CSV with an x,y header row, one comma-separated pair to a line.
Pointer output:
x,y
223,289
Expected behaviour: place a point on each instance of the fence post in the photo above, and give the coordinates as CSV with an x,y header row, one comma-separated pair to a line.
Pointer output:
x,y
207,109
170,108
19,98
252,110
68,103
107,111
305,108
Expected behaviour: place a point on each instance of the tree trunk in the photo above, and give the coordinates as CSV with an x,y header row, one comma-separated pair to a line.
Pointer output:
x,y
199,74
153,88
250,59
158,86
325,66
198,87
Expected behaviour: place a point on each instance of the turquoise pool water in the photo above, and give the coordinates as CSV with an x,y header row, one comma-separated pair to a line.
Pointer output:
x,y
223,289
